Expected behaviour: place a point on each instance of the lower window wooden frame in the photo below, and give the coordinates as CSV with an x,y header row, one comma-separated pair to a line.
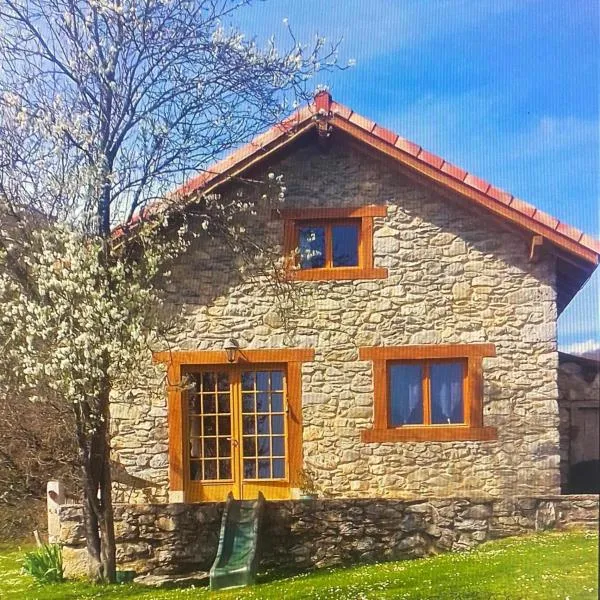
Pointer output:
x,y
176,361
472,429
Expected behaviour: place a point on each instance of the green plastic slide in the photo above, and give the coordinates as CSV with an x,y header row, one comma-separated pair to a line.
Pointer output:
x,y
237,556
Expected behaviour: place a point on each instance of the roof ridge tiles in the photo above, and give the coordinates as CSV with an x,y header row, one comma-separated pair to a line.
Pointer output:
x,y
473,181
324,104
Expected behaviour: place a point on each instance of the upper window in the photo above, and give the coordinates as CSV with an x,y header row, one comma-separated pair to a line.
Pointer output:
x,y
328,244
428,393
331,243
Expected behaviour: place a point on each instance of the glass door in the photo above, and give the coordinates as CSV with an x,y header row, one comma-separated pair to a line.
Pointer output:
x,y
264,434
211,434
237,433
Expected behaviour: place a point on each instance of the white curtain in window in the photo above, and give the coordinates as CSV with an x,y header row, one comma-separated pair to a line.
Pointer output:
x,y
446,395
456,399
450,400
414,402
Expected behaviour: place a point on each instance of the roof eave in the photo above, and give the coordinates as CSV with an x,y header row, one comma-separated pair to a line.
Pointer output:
x,y
506,206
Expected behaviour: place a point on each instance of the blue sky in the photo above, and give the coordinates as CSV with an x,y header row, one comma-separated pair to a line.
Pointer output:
x,y
507,89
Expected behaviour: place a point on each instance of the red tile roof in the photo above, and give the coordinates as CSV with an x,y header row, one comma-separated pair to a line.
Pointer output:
x,y
410,155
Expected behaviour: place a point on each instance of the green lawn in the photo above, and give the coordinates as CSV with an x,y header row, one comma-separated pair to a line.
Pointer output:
x,y
546,566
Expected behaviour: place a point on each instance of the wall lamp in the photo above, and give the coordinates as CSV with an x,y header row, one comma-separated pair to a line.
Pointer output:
x,y
231,348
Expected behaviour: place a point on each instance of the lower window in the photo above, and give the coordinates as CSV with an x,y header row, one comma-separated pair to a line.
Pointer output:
x,y
428,393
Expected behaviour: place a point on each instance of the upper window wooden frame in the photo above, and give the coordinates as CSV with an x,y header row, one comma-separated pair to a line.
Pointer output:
x,y
363,216
470,355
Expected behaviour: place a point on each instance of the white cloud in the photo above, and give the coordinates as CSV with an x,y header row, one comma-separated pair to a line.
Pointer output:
x,y
457,126
556,134
470,128
581,347
387,28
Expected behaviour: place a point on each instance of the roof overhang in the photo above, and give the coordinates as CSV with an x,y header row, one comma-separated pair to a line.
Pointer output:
x,y
577,253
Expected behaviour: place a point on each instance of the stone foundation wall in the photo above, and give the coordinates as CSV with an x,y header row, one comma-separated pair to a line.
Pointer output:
x,y
183,538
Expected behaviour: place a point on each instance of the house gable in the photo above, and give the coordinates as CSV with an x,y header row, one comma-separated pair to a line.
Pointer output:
x,y
460,285
577,253
455,278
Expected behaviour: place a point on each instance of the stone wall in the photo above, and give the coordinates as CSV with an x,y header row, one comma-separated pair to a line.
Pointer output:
x,y
179,538
578,387
455,276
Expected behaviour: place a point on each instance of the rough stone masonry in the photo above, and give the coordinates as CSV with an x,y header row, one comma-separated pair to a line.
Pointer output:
x,y
455,276
176,539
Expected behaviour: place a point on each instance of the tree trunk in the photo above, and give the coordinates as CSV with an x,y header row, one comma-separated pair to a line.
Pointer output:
x,y
90,519
97,505
100,530
106,519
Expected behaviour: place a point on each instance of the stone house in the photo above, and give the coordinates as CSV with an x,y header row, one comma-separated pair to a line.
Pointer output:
x,y
419,359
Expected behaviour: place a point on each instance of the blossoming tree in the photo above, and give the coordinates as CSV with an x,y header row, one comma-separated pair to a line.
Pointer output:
x,y
106,105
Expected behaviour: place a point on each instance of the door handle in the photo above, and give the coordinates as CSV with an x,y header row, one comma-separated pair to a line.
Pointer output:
x,y
234,442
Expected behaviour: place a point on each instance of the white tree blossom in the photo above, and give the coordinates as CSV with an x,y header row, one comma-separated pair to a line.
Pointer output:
x,y
105,107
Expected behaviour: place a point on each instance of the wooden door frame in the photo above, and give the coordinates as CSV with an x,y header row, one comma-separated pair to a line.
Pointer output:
x,y
289,358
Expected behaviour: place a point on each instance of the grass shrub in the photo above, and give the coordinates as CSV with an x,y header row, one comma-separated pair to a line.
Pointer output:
x,y
45,564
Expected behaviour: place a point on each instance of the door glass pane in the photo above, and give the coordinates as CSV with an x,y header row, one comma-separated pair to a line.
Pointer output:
x,y
224,448
225,469
262,424
264,446
195,470
223,382
277,381
224,426
224,403
345,245
406,399
311,246
262,381
248,424
249,446
277,402
208,403
210,447
210,469
278,446
264,469
248,402
248,380
210,427
208,382
277,424
262,402
195,439
249,468
446,392
194,404
278,468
